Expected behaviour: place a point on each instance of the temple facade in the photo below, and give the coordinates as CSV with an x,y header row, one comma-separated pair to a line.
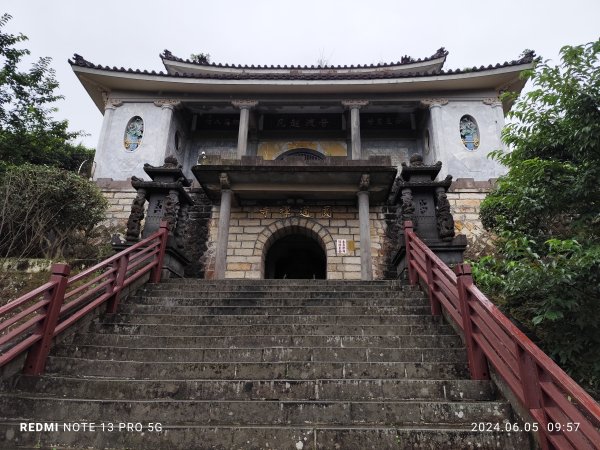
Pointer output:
x,y
299,172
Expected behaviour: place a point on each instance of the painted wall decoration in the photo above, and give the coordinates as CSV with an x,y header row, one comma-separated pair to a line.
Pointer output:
x,y
134,133
469,133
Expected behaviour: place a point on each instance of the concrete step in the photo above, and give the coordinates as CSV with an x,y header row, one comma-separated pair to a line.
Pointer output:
x,y
230,286
260,412
278,282
261,340
265,354
274,319
171,300
253,389
269,437
132,308
290,370
289,293
251,330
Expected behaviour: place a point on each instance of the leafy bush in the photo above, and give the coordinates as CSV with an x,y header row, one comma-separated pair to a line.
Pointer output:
x,y
546,214
44,210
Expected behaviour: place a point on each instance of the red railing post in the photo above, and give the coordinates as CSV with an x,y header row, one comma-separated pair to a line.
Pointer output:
x,y
532,392
477,360
436,307
157,271
120,273
412,273
35,363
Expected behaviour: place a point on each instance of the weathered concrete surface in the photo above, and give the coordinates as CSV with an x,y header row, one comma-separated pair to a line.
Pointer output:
x,y
263,364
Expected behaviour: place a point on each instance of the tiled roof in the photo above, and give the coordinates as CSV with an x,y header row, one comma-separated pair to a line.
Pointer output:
x,y
440,53
296,73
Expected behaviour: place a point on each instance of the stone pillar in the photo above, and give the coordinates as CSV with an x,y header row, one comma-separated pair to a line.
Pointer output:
x,y
366,263
436,134
103,151
498,110
223,231
167,107
244,106
354,107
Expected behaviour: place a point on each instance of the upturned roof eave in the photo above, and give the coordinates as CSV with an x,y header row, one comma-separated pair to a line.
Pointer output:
x,y
429,65
96,81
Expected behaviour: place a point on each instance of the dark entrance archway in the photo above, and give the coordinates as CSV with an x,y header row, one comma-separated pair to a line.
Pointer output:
x,y
296,256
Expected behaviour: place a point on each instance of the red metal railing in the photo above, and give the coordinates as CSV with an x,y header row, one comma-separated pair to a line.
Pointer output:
x,y
27,324
566,416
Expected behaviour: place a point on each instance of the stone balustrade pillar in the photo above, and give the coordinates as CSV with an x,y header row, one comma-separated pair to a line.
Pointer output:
x,y
167,107
354,107
223,230
103,146
366,263
244,106
435,137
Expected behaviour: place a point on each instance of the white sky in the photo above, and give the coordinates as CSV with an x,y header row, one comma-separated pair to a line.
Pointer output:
x,y
132,34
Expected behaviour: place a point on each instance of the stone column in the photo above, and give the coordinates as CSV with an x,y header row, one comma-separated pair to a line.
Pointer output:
x,y
354,107
103,150
498,110
366,263
167,107
436,135
244,106
223,231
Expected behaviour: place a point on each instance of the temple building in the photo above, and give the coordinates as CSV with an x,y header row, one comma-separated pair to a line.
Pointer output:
x,y
296,171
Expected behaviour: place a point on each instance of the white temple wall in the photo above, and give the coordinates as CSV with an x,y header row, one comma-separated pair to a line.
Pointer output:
x,y
457,160
113,160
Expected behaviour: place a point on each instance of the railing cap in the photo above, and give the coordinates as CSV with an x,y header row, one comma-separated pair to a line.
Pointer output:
x,y
61,269
462,270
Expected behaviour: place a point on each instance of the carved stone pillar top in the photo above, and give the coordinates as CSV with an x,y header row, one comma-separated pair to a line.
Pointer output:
x,y
492,101
433,102
224,180
112,103
167,103
244,104
365,181
355,104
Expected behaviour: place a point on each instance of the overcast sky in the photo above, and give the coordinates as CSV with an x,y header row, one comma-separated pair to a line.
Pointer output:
x,y
132,34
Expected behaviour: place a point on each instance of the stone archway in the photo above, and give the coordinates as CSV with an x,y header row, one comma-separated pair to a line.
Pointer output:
x,y
293,226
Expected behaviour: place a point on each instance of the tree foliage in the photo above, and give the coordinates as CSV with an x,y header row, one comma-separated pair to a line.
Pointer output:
x,y
28,132
46,211
546,213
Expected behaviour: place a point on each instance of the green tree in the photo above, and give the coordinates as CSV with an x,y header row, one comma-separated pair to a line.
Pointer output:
x,y
546,213
47,212
28,132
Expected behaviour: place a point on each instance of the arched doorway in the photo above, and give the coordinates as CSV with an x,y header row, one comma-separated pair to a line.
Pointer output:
x,y
306,153
296,256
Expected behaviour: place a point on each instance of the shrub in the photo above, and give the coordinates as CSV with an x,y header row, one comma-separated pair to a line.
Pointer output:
x,y
44,209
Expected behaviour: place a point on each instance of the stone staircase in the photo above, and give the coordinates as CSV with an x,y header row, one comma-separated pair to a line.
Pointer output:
x,y
269,364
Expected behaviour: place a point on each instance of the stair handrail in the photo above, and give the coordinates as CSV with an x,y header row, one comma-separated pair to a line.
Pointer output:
x,y
565,415
64,300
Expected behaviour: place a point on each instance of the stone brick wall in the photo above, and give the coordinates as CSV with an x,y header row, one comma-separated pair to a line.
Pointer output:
x,y
251,233
465,197
120,195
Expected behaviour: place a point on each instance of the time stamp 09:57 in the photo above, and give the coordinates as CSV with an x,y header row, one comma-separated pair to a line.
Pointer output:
x,y
551,427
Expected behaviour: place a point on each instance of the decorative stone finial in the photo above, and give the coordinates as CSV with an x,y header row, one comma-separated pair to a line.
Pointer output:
x,y
171,163
416,160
